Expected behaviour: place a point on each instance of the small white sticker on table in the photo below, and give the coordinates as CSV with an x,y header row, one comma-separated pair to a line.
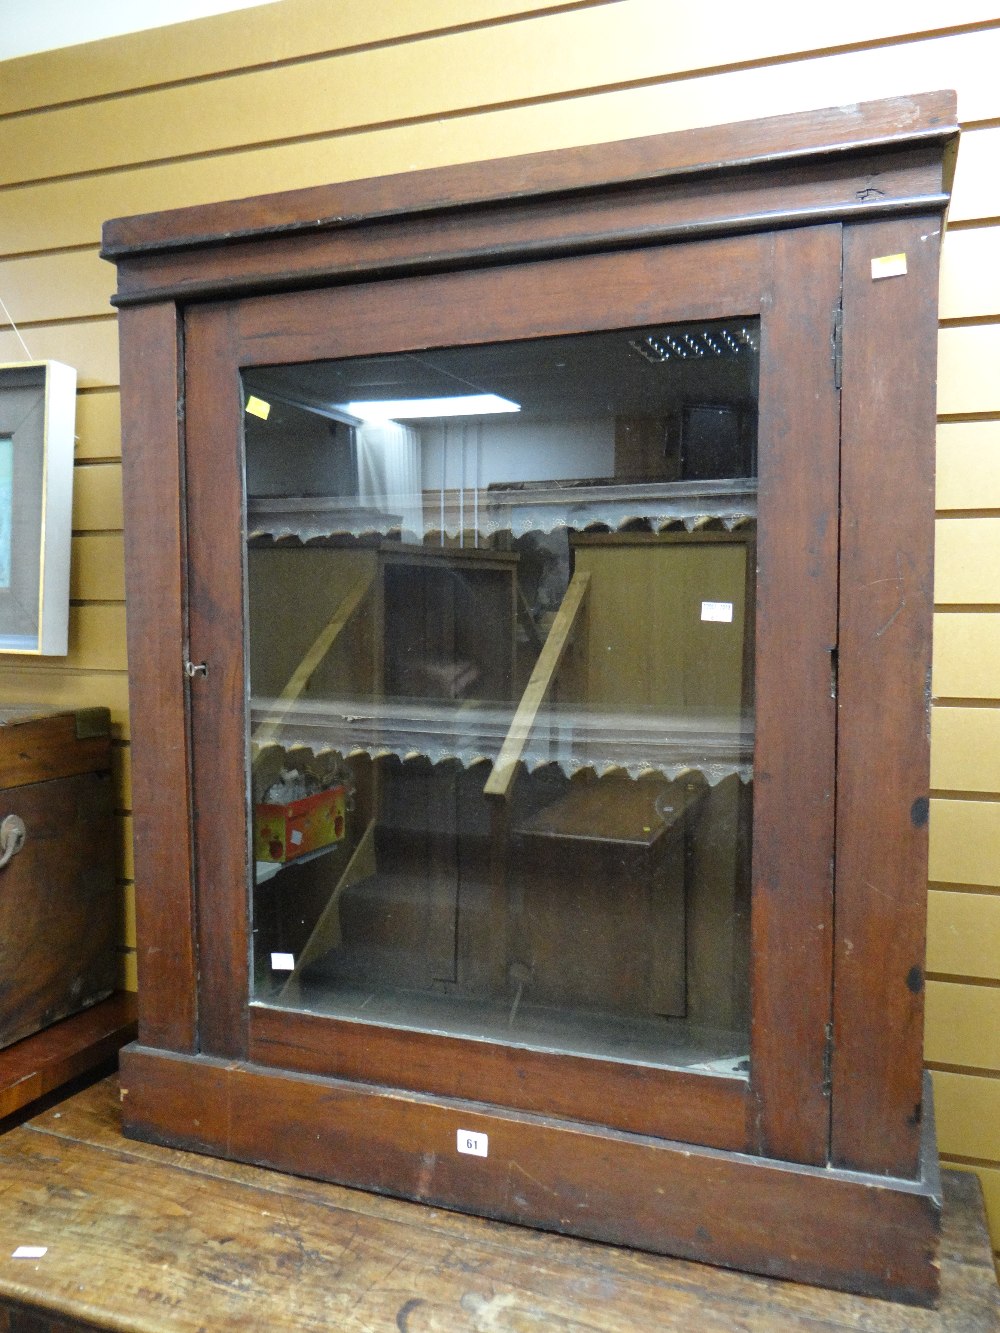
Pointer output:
x,y
478,1145
282,962
721,611
30,1252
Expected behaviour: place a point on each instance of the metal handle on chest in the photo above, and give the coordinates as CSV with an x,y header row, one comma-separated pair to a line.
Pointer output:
x,y
12,837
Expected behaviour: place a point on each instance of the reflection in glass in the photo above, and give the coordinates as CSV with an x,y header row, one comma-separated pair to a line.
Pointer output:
x,y
501,673
6,507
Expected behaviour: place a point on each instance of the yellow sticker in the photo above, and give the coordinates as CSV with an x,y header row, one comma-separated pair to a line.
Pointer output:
x,y
258,408
889,266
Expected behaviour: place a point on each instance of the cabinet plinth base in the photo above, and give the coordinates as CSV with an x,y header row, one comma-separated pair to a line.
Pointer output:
x,y
855,1232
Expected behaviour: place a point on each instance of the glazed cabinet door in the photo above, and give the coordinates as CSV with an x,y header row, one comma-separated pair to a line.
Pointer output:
x,y
513,754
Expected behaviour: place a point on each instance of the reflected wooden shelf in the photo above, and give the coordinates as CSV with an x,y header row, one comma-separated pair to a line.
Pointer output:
x,y
76,1046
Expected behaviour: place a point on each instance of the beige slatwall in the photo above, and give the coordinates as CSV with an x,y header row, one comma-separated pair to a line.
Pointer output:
x,y
304,92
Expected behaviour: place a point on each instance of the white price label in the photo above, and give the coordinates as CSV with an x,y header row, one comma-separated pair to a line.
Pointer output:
x,y
30,1252
478,1145
282,962
721,611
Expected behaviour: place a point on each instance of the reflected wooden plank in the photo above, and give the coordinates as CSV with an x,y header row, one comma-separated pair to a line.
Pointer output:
x,y
538,687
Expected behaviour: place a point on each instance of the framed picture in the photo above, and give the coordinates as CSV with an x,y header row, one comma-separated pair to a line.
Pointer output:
x,y
37,419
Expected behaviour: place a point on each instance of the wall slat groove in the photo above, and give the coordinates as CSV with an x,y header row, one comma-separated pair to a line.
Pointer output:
x,y
981,890
965,749
967,361
959,979
304,59
944,793
569,57
97,498
67,687
966,653
39,217
229,43
91,347
967,1110
965,842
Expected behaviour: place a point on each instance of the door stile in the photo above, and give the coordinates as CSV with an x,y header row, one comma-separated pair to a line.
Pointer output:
x,y
216,591
153,478
792,913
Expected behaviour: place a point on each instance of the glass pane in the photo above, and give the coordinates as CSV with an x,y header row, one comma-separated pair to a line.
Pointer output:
x,y
501,674
6,507
22,504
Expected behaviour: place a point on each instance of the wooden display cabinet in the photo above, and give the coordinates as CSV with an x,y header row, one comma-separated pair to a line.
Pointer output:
x,y
624,934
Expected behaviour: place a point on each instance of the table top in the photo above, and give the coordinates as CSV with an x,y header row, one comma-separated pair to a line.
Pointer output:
x,y
145,1238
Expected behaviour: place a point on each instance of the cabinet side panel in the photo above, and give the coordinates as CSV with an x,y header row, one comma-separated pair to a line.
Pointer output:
x,y
154,553
887,506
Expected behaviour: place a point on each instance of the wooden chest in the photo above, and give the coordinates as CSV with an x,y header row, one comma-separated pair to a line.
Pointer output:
x,y
58,905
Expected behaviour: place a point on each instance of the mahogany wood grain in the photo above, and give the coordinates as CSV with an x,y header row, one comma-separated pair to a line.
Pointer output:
x,y
790,139
575,295
524,301
151,389
58,899
749,274
46,1061
180,1242
887,494
220,781
862,1233
637,214
794,746
53,745
641,1099
523,249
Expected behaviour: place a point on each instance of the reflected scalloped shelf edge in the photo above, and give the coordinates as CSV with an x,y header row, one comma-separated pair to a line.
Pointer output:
x,y
469,737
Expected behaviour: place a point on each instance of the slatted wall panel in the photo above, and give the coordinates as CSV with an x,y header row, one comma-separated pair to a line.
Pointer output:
x,y
303,92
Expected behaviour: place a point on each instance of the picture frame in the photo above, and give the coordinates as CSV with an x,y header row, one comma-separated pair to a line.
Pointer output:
x,y
37,421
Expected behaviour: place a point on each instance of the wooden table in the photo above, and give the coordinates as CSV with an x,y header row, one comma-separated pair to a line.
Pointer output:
x,y
145,1238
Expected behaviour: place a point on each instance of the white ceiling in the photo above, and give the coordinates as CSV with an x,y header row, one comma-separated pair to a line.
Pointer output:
x,y
27,26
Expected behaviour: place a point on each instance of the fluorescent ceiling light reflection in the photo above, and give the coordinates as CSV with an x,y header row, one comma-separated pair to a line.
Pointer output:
x,y
412,409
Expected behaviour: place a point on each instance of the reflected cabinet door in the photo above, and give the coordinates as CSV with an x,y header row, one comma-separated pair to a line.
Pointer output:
x,y
525,584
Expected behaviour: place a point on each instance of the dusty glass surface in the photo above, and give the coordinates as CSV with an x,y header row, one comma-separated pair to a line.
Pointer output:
x,y
501,672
